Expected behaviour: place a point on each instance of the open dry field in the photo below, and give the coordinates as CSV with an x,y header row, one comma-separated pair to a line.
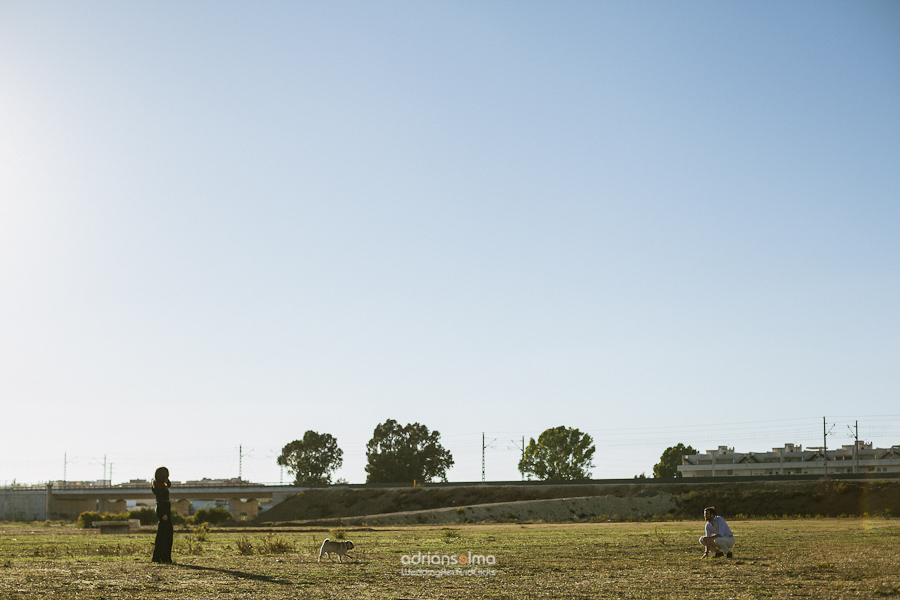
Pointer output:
x,y
804,558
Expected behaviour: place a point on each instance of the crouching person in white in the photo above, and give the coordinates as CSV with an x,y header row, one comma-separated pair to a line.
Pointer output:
x,y
718,538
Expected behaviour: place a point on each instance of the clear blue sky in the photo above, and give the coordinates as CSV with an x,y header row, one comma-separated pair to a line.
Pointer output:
x,y
223,225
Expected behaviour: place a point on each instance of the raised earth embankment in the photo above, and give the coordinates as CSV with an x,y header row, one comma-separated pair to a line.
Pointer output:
x,y
502,503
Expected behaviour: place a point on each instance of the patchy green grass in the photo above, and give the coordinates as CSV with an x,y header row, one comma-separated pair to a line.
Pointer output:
x,y
821,558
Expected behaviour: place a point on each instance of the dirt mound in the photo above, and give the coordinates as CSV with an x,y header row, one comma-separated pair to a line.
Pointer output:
x,y
558,509
447,504
338,502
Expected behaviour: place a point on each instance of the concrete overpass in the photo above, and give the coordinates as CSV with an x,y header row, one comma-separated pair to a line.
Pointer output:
x,y
68,500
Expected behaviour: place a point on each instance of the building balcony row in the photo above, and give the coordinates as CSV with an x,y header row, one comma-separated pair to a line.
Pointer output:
x,y
792,459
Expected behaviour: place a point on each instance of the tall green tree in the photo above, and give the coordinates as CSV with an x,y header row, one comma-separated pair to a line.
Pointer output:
x,y
667,467
312,459
559,454
405,453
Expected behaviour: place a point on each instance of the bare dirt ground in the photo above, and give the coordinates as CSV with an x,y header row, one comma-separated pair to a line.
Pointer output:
x,y
825,559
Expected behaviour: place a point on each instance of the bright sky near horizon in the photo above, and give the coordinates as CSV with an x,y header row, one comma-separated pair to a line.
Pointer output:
x,y
224,225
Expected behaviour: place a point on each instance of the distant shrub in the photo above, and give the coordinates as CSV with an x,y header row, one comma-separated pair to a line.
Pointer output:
x,y
145,514
843,487
338,533
115,517
213,516
87,518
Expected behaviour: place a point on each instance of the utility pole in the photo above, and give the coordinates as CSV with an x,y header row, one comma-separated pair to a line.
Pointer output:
x,y
522,448
483,448
65,464
855,431
241,461
825,432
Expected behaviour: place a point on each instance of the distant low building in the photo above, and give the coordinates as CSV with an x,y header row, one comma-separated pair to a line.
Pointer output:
x,y
208,481
792,460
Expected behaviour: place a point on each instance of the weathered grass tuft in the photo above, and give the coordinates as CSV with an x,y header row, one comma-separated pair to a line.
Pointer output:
x,y
244,546
660,536
192,546
275,544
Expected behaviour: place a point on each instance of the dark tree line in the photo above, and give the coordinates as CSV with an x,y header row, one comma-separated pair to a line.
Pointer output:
x,y
396,453
406,453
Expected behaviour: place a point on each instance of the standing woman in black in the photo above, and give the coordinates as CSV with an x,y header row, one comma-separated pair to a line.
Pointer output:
x,y
162,552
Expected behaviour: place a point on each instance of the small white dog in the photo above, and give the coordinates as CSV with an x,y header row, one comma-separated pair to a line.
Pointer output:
x,y
339,548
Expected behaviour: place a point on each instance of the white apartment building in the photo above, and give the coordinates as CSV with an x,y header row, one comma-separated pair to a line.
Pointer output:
x,y
792,460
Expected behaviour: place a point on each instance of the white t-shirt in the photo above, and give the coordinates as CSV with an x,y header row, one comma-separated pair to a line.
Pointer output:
x,y
718,525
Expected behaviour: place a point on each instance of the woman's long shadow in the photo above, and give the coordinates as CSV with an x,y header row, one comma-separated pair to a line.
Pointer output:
x,y
240,574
